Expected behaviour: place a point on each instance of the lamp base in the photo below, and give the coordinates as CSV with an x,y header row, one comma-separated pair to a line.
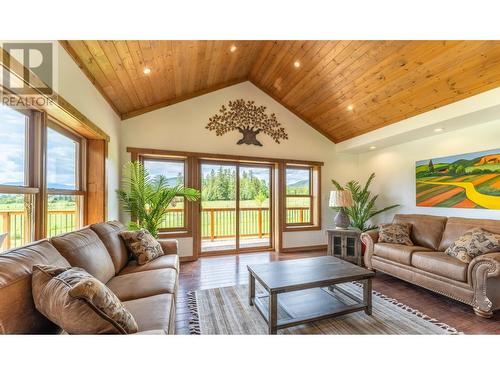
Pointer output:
x,y
342,220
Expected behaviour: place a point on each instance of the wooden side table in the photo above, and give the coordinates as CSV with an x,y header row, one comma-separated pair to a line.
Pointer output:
x,y
345,244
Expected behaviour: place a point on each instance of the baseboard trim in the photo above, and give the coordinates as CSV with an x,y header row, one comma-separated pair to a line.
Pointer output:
x,y
189,258
304,248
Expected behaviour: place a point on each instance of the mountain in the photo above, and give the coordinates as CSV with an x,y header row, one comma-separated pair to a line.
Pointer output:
x,y
299,184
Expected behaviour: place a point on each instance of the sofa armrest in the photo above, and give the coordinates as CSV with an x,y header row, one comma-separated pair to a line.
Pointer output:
x,y
169,246
369,238
481,269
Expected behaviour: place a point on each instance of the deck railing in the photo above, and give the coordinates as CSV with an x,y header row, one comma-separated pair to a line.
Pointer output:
x,y
16,225
217,223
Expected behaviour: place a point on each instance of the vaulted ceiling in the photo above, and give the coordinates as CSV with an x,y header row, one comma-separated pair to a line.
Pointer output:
x,y
341,88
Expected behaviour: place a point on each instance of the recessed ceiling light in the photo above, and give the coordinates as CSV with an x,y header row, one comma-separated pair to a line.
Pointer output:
x,y
373,147
147,70
350,107
437,130
233,48
296,64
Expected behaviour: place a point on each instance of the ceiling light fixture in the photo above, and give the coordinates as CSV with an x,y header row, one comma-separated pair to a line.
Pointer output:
x,y
296,64
350,107
437,130
373,147
147,70
233,48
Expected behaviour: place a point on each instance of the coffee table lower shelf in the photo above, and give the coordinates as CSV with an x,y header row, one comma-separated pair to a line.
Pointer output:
x,y
309,305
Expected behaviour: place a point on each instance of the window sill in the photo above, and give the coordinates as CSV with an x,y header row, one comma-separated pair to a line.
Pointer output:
x,y
175,234
301,228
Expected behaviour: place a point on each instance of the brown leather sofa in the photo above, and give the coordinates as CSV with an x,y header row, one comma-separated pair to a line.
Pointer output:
x,y
147,291
425,264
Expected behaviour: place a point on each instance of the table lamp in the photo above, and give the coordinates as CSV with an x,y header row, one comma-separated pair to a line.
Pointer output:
x,y
341,199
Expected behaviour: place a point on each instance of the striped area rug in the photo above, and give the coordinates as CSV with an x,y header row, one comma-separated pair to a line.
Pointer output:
x,y
225,311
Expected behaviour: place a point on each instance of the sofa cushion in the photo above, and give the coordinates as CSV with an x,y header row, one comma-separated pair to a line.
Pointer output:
x,y
165,261
18,314
143,245
78,302
144,284
397,252
395,233
473,243
457,226
109,234
84,249
439,263
426,230
152,313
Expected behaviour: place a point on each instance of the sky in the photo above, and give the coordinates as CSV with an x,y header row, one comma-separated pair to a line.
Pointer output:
x,y
61,157
451,159
12,146
168,169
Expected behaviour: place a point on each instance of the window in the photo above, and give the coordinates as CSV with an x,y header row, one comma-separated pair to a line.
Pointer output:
x,y
63,175
16,195
174,170
301,196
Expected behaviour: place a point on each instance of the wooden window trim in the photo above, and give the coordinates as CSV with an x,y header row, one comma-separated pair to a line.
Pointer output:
x,y
186,230
80,169
278,168
314,196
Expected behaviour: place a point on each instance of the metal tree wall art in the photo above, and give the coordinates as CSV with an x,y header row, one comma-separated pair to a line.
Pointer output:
x,y
249,120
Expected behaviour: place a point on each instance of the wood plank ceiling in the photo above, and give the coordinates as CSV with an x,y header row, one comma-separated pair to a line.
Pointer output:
x,y
341,88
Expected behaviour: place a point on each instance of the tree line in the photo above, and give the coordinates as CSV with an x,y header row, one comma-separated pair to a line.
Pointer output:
x,y
221,185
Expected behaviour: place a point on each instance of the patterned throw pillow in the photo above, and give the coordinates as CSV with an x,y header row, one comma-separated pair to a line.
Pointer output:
x,y
395,233
473,243
143,245
78,302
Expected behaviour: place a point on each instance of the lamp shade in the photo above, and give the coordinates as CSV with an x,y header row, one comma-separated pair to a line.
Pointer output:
x,y
340,198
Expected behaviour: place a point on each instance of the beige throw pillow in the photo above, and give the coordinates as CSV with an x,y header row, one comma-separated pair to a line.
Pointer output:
x,y
473,243
395,233
78,302
143,245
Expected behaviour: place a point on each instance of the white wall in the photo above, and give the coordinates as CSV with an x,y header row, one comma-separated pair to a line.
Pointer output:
x,y
75,87
181,127
395,168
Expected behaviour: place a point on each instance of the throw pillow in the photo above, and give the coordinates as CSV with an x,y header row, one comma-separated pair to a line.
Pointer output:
x,y
143,245
473,243
395,233
78,302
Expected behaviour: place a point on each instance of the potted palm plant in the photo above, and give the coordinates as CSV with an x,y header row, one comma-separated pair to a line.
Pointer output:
x,y
363,208
147,198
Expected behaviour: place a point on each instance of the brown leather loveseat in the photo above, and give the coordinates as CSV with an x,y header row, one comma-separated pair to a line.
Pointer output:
x,y
147,291
425,264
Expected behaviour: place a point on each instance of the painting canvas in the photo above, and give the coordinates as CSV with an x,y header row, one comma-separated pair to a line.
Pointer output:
x,y
461,181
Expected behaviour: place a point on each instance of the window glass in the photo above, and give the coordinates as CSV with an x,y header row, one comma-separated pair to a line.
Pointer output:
x,y
63,214
13,155
173,170
15,220
61,161
298,181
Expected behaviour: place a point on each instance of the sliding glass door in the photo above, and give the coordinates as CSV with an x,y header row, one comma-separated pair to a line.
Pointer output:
x,y
235,206
254,206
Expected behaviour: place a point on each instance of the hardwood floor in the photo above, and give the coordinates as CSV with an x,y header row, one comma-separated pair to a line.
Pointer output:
x,y
227,270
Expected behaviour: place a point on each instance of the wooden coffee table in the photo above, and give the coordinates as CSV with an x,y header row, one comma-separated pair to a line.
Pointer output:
x,y
317,279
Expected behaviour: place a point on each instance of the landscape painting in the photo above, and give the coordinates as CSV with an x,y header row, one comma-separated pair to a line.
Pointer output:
x,y
461,181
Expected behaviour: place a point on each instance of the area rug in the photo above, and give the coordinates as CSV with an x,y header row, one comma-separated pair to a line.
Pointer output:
x,y
225,311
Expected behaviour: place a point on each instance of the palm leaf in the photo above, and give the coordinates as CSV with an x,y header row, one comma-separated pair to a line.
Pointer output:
x,y
147,198
363,208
